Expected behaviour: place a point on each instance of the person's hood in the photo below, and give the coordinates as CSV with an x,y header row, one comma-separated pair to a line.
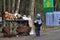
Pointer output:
x,y
38,16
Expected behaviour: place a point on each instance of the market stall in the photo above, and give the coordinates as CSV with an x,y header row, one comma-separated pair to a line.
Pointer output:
x,y
16,26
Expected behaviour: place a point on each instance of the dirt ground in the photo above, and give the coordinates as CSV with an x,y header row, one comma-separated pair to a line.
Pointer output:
x,y
6,38
18,38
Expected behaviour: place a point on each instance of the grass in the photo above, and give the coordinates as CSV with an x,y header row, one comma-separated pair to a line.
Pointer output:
x,y
45,28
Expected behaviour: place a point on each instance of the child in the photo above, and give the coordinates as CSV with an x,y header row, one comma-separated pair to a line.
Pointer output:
x,y
38,24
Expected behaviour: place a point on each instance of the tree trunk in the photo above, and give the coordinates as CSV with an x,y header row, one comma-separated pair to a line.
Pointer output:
x,y
4,5
13,6
9,6
18,5
31,12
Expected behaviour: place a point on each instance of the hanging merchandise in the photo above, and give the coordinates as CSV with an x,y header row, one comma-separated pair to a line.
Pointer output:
x,y
48,5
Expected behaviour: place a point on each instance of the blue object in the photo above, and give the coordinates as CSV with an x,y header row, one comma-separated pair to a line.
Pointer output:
x,y
56,18
38,14
38,19
49,19
37,30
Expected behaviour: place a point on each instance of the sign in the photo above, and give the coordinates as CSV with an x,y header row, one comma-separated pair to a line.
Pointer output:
x,y
48,5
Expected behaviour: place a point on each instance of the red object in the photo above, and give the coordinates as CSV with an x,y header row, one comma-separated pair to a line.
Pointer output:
x,y
23,29
6,31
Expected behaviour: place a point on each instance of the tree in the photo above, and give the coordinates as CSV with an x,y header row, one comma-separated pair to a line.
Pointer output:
x,y
31,12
